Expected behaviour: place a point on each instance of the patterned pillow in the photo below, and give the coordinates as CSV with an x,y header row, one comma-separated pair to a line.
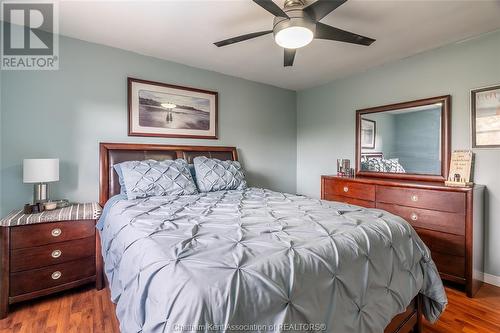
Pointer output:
x,y
156,178
393,165
372,164
216,175
378,164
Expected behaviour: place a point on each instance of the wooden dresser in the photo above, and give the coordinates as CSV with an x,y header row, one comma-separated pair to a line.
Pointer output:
x,y
448,219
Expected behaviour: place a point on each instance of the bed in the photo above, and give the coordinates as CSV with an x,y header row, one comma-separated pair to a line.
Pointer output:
x,y
258,260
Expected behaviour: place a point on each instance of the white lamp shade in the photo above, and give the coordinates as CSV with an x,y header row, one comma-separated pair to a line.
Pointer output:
x,y
40,170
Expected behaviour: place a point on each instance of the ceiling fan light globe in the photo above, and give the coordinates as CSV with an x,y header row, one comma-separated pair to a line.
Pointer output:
x,y
294,37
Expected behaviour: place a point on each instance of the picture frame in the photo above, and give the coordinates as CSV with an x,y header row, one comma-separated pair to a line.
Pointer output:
x,y
158,109
485,117
368,133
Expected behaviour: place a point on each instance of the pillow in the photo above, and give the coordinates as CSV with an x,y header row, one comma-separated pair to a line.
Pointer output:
x,y
373,164
393,165
118,170
216,175
382,165
155,178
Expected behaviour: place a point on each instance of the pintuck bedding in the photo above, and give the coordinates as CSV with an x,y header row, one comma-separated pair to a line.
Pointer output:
x,y
258,260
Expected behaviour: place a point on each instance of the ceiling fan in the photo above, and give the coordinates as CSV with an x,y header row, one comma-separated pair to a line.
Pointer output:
x,y
296,25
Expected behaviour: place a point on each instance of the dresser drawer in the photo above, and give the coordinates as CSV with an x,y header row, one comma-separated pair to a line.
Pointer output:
x,y
442,242
453,202
448,264
45,255
428,219
350,189
42,278
351,201
48,233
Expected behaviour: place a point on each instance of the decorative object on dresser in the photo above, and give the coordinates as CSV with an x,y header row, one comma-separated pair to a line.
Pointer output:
x,y
40,171
460,168
412,140
485,114
165,110
448,219
344,168
48,252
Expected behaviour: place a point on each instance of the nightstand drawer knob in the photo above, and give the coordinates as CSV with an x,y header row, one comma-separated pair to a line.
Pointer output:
x,y
414,216
56,275
56,253
56,232
346,189
414,198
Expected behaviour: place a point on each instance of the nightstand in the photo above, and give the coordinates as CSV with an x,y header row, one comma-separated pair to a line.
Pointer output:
x,y
48,252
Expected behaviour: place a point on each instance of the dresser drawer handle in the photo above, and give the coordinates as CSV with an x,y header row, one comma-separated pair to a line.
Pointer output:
x,y
56,232
56,253
414,216
346,189
414,198
56,275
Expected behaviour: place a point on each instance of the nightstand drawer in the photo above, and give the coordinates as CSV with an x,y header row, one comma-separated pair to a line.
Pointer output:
x,y
46,255
48,233
55,275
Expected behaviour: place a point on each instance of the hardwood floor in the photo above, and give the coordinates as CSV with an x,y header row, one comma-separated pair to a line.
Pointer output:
x,y
87,310
463,314
79,311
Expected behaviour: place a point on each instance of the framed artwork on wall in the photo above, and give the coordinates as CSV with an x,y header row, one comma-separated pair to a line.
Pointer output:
x,y
165,110
485,112
368,132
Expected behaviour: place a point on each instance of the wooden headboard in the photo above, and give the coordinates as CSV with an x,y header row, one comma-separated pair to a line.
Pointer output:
x,y
114,153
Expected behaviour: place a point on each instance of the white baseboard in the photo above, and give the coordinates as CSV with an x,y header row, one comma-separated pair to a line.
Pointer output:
x,y
492,279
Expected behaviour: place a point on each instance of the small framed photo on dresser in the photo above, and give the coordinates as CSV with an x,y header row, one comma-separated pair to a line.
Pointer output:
x,y
485,113
165,110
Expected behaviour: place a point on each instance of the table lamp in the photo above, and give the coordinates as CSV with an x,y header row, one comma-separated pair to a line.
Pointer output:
x,y
40,171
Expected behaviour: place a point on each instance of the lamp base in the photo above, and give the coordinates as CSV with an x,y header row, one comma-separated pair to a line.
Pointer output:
x,y
40,192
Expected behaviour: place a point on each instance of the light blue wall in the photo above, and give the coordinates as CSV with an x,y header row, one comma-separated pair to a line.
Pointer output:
x,y
413,138
384,133
417,141
326,115
66,113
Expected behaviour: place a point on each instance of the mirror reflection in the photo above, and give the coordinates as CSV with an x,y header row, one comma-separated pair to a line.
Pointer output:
x,y
402,141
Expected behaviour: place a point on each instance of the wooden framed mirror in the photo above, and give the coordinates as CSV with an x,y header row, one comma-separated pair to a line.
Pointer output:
x,y
409,140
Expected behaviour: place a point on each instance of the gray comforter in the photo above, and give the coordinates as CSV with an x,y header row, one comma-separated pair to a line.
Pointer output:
x,y
257,260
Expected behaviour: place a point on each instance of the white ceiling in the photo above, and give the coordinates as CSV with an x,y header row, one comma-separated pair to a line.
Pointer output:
x,y
183,31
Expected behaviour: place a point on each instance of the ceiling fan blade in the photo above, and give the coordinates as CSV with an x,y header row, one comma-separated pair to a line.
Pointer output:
x,y
271,7
242,38
289,57
324,31
319,9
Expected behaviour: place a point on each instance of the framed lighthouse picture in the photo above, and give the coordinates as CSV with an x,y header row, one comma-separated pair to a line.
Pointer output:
x,y
170,111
